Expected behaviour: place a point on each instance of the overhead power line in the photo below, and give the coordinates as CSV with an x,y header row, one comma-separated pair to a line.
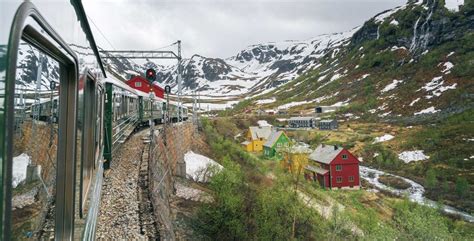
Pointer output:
x,y
100,31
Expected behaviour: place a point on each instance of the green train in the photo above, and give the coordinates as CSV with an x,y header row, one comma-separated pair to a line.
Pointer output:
x,y
57,139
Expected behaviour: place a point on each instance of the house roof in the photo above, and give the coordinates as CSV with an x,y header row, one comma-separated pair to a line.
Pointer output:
x,y
303,118
318,170
260,132
324,154
273,138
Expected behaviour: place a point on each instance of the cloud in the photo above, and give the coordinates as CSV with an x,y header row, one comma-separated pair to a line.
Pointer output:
x,y
221,28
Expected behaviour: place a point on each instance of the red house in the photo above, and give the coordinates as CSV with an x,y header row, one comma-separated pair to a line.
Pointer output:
x,y
140,83
333,167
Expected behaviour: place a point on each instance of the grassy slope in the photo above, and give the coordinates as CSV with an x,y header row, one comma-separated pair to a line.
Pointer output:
x,y
377,215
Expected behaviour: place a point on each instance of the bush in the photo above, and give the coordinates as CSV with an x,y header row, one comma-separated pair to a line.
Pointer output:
x,y
462,187
416,222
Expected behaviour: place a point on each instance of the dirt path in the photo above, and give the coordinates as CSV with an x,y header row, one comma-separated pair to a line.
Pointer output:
x,y
326,211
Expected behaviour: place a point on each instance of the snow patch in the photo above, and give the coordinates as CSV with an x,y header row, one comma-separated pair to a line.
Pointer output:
x,y
414,101
383,138
20,163
412,156
394,22
198,166
435,86
453,5
292,104
429,110
447,67
265,101
392,85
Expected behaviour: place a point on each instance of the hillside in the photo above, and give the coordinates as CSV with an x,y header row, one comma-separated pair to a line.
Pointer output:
x,y
412,60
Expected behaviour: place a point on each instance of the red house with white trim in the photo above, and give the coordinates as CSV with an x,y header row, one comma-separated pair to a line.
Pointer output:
x,y
333,167
140,83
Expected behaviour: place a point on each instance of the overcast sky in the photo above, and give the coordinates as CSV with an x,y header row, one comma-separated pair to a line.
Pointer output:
x,y
221,28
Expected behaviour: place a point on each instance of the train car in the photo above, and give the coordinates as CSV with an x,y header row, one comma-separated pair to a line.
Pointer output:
x,y
178,112
61,120
51,171
151,108
121,115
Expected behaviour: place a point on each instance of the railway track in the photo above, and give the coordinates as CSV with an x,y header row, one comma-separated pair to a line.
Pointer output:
x,y
126,212
147,220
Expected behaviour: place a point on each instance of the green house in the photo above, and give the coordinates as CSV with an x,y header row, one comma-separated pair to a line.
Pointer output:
x,y
276,140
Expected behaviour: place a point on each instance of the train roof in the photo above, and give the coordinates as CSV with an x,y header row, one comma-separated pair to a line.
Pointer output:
x,y
111,79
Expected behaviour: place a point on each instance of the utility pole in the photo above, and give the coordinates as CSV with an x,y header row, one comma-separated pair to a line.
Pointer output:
x,y
179,79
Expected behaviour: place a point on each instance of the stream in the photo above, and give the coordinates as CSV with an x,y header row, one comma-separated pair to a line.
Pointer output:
x,y
414,193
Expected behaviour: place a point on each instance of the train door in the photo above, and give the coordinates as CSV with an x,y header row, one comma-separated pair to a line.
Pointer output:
x,y
41,68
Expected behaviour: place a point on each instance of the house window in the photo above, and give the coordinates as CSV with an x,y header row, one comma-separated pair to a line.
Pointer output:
x,y
344,156
338,179
138,84
338,167
351,178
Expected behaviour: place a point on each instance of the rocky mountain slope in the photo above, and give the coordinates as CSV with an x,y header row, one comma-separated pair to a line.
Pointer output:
x,y
412,60
253,70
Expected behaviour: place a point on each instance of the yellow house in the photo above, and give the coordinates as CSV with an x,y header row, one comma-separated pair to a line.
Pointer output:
x,y
256,136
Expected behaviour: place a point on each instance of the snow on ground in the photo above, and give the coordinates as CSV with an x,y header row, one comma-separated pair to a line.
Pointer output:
x,y
335,77
447,67
392,85
427,111
292,104
453,5
410,156
197,166
395,48
263,123
341,103
265,101
435,86
380,18
20,163
383,138
414,101
394,22
322,77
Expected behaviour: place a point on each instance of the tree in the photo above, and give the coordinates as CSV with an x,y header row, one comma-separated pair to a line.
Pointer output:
x,y
431,179
295,158
462,186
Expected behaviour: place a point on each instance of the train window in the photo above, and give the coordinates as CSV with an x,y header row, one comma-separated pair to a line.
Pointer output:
x,y
85,140
35,143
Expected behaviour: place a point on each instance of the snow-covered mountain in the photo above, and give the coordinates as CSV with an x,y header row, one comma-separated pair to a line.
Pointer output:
x,y
252,70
